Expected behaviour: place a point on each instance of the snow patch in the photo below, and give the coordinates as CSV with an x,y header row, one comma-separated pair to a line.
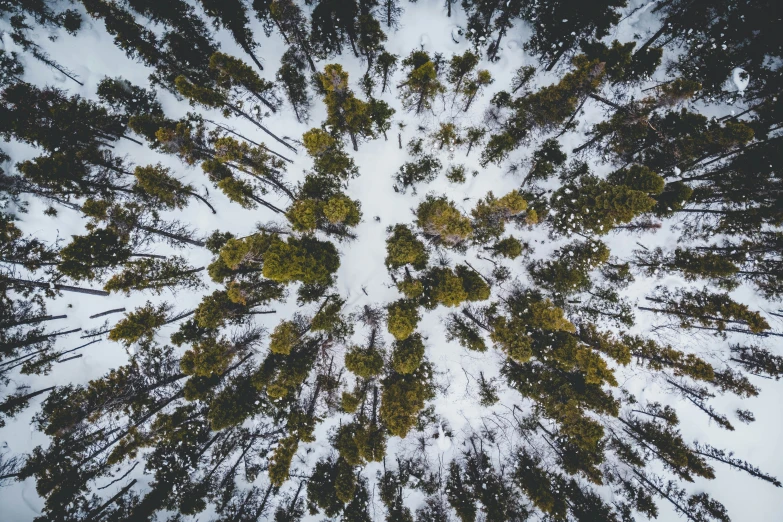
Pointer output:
x,y
740,78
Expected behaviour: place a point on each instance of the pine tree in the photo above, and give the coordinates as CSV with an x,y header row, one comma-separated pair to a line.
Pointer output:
x,y
558,31
421,84
384,66
403,248
440,220
545,109
291,23
295,84
333,22
232,15
346,113
402,318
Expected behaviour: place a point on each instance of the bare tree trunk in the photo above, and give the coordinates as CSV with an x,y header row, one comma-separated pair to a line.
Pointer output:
x,y
111,501
55,286
175,237
10,404
34,320
257,124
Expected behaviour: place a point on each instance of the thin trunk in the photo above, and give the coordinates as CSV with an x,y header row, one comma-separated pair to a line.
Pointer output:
x,y
13,402
148,256
605,101
571,119
111,501
125,136
28,342
246,47
180,316
29,356
260,145
663,494
257,124
741,465
268,181
420,104
264,101
470,101
588,144
175,237
267,204
302,40
652,39
493,49
200,198
124,475
684,314
557,57
262,506
178,274
34,320
54,65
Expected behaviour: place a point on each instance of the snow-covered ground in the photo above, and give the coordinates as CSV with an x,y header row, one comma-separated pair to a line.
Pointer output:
x,y
362,277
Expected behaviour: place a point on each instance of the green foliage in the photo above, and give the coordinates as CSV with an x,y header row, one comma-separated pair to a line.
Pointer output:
x,y
508,247
402,398
346,114
207,358
491,215
622,64
402,318
421,84
284,337
403,248
439,219
307,260
141,324
596,206
364,362
408,354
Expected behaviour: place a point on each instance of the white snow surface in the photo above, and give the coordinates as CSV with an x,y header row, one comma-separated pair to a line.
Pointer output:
x,y
92,55
738,79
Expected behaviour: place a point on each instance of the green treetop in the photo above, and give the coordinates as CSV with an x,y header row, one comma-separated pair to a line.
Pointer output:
x,y
439,219
421,84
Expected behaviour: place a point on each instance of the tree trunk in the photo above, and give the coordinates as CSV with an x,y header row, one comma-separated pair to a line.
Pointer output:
x,y
257,124
261,145
34,320
607,102
64,288
13,402
267,204
175,237
200,198
111,501
589,143
246,47
652,39
554,61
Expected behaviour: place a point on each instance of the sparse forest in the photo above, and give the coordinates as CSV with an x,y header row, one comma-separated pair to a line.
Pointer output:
x,y
391,260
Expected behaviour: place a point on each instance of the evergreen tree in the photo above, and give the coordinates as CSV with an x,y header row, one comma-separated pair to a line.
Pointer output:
x,y
421,84
543,110
295,84
346,113
232,16
440,220
558,31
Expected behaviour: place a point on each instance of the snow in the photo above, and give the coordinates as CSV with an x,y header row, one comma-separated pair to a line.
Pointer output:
x,y
362,266
740,78
444,442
